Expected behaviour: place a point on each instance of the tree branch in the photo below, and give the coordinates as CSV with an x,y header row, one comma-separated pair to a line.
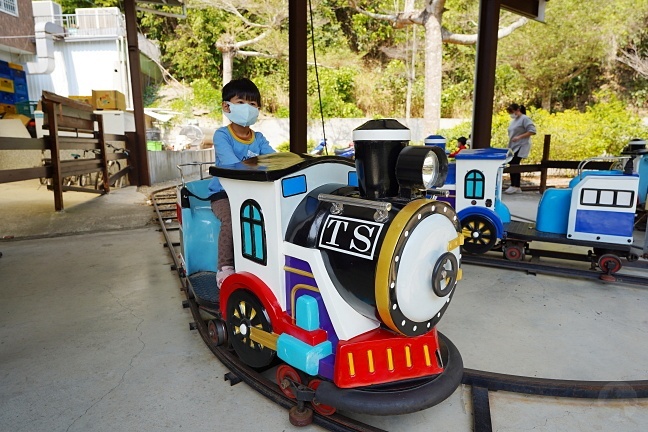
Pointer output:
x,y
399,19
631,58
462,39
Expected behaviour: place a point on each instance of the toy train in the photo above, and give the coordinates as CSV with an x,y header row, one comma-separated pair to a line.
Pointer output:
x,y
597,210
343,271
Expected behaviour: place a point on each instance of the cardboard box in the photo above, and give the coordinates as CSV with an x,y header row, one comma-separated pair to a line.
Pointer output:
x,y
5,108
86,99
6,85
108,99
23,118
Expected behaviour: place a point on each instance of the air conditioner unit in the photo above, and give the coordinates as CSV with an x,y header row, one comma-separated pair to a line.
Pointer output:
x,y
47,11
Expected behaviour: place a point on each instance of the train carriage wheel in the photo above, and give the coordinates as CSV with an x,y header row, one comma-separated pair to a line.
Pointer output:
x,y
244,312
325,410
609,263
479,234
285,374
514,252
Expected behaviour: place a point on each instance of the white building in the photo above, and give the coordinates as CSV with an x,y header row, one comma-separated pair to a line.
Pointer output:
x,y
80,52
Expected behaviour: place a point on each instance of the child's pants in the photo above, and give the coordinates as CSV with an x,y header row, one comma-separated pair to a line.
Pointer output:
x,y
221,209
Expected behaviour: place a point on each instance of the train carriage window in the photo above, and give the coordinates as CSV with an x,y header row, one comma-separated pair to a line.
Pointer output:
x,y
607,198
625,199
474,185
253,239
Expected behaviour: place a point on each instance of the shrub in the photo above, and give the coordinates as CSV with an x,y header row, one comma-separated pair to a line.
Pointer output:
x,y
603,129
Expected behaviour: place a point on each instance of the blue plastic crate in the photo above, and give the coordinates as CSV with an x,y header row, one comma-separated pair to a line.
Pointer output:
x,y
5,70
18,75
20,98
20,89
7,98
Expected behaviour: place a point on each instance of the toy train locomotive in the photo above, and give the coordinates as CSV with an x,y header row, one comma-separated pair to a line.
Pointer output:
x,y
596,210
343,271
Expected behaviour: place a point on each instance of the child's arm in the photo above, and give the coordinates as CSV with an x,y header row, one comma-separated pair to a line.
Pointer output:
x,y
224,152
264,147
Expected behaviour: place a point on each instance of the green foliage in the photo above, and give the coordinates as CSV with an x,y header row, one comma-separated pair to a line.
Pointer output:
x,y
284,147
337,90
603,129
150,95
205,95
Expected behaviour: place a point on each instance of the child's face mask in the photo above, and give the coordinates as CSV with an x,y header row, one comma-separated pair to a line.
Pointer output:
x,y
513,116
242,114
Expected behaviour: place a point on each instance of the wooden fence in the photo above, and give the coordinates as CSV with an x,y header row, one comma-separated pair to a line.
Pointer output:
x,y
72,125
547,164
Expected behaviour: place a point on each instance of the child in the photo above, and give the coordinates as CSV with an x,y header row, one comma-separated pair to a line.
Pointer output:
x,y
462,145
234,143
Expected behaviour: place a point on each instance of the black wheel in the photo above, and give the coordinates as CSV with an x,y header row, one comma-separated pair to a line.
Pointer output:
x,y
479,234
244,312
217,332
444,275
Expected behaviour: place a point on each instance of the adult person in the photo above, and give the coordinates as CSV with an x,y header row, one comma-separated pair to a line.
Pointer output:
x,y
520,131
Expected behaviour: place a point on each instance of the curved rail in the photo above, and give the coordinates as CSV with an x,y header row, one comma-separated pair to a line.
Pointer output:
x,y
481,382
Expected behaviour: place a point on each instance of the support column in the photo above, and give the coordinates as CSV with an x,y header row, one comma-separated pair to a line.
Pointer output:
x,y
482,122
297,43
144,176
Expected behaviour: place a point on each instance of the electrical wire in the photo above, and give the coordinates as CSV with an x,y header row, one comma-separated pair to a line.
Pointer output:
x,y
319,92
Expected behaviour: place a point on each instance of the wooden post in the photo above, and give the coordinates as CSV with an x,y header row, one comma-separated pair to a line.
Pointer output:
x,y
104,155
57,178
486,60
546,149
134,155
297,46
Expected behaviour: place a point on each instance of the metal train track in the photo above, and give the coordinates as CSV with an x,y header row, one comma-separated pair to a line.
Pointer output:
x,y
481,382
551,269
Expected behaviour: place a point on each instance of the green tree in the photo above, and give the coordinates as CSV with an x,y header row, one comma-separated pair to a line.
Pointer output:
x,y
430,15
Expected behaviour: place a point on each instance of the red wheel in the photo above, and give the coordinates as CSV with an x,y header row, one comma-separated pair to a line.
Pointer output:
x,y
609,263
325,410
514,253
285,374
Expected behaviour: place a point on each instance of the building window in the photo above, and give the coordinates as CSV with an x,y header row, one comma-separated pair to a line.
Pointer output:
x,y
474,183
9,6
253,238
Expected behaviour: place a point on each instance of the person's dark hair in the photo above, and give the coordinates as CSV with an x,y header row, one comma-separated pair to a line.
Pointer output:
x,y
515,107
462,140
243,88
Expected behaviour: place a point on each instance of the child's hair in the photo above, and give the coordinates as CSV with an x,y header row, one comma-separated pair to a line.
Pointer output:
x,y
462,140
515,107
243,88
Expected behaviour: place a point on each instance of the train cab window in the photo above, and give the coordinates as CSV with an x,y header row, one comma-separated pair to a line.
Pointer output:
x,y
474,185
607,198
253,239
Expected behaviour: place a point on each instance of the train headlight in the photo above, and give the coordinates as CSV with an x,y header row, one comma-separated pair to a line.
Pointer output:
x,y
421,167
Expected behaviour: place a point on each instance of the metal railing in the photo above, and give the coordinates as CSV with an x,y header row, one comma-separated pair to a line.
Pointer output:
x,y
89,23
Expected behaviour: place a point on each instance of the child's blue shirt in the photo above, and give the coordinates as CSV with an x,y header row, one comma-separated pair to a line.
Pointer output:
x,y
230,150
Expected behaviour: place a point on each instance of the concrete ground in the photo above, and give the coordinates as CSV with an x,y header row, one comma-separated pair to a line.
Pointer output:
x,y
93,336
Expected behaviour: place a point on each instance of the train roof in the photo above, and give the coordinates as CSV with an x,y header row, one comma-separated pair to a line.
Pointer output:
x,y
273,166
485,153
